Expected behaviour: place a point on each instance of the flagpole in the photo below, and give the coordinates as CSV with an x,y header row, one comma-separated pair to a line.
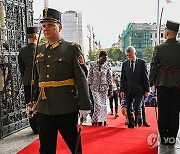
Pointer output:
x,y
158,23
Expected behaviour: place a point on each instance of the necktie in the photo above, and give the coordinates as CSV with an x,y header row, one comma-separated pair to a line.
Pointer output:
x,y
132,66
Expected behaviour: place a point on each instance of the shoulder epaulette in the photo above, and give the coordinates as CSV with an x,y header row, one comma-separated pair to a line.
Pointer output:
x,y
73,43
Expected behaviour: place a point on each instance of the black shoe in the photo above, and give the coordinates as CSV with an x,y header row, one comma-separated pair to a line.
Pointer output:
x,y
116,115
139,121
99,123
146,124
126,123
105,123
131,126
94,123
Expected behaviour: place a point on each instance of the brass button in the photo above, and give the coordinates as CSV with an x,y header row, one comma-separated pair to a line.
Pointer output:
x,y
72,90
60,59
49,56
47,76
47,65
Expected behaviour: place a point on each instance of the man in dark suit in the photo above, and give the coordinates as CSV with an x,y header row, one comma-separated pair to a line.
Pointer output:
x,y
165,75
25,60
134,86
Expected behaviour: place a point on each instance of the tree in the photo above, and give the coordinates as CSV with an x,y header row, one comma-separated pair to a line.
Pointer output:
x,y
115,53
147,54
93,55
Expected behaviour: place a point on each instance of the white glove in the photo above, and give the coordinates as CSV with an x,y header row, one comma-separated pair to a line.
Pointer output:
x,y
84,113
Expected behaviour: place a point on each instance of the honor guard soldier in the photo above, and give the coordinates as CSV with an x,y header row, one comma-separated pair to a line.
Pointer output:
x,y
61,76
165,75
25,60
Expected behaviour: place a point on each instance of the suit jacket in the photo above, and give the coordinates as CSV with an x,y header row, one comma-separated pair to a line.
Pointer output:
x,y
166,57
25,60
62,61
137,80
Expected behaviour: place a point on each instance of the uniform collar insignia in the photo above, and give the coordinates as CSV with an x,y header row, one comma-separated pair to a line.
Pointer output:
x,y
54,45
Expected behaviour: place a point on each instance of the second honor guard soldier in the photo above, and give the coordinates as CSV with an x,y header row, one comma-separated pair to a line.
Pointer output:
x,y
61,75
25,60
165,75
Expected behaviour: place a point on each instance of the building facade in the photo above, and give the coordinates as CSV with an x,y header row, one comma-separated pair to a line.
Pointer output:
x,y
142,35
137,35
162,39
72,27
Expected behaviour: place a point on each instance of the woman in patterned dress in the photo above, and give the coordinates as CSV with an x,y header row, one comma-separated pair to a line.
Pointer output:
x,y
99,79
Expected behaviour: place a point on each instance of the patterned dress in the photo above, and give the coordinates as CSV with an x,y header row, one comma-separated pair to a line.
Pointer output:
x,y
99,82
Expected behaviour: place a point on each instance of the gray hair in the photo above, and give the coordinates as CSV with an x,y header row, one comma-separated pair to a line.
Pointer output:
x,y
131,49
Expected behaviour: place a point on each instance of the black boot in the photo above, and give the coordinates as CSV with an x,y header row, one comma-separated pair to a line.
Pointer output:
x,y
105,123
99,123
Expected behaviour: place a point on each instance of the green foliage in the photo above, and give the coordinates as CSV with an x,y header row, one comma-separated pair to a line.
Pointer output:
x,y
93,55
115,53
147,54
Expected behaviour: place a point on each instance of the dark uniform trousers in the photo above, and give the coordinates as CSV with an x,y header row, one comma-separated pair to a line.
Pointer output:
x,y
168,112
32,121
134,108
49,126
115,98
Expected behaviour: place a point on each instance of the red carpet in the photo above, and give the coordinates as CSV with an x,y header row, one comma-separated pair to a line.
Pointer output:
x,y
119,122
115,139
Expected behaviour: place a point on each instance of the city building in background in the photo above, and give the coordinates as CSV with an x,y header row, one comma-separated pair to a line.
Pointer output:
x,y
94,45
120,43
154,40
137,35
142,35
72,27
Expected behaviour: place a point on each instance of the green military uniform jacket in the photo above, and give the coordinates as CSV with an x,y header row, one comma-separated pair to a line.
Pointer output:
x,y
62,61
25,60
166,58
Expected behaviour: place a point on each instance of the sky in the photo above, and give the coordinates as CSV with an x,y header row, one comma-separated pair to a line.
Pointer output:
x,y
110,17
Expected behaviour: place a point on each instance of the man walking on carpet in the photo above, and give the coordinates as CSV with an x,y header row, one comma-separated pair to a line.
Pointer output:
x,y
134,86
61,75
